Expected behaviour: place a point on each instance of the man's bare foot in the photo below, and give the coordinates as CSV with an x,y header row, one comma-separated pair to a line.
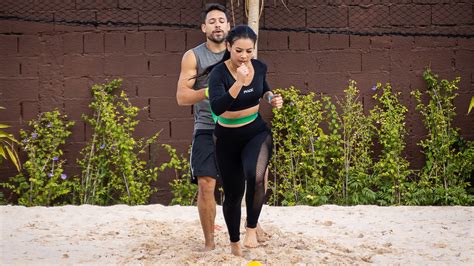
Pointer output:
x,y
209,247
235,249
261,235
250,239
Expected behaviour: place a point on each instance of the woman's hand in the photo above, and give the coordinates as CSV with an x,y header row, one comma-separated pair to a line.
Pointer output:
x,y
276,101
242,73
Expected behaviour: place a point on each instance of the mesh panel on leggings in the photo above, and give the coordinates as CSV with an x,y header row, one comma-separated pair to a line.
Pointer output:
x,y
261,167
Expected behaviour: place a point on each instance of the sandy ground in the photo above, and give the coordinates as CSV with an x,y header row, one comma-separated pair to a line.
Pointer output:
x,y
171,235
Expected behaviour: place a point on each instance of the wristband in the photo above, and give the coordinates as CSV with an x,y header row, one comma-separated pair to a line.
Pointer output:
x,y
206,92
269,98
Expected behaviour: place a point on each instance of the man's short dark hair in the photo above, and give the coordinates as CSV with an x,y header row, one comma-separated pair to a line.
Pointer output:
x,y
210,7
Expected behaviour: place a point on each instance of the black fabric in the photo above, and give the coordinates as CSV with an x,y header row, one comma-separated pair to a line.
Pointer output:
x,y
221,80
242,155
203,162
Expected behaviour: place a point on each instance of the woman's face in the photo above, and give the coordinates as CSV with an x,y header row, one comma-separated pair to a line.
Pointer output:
x,y
241,51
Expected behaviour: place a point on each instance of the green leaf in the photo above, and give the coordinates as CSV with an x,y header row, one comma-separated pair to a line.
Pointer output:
x,y
471,105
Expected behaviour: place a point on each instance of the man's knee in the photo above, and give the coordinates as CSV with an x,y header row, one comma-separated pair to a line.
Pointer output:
x,y
206,186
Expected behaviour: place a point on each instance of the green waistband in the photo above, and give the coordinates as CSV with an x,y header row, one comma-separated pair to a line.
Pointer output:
x,y
235,121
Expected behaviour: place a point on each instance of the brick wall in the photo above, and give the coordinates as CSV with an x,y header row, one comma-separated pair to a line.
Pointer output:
x,y
46,66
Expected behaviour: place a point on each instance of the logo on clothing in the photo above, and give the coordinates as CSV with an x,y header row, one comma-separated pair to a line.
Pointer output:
x,y
248,90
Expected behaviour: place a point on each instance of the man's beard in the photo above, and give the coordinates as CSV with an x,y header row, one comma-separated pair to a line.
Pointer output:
x,y
216,40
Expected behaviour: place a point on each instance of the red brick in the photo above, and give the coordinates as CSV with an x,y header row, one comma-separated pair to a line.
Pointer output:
x,y
359,42
410,15
277,40
73,43
78,66
164,86
142,104
382,42
299,41
129,65
466,43
367,80
78,131
263,40
190,16
175,41
134,43
402,42
284,80
464,59
435,42
165,64
328,83
342,61
8,44
181,3
328,41
376,61
327,16
138,4
290,62
146,129
158,17
155,42
10,67
273,18
12,111
182,128
115,42
21,89
76,108
93,43
452,14
77,88
29,45
64,18
29,110
93,4
371,16
194,38
29,67
167,108
436,59
24,27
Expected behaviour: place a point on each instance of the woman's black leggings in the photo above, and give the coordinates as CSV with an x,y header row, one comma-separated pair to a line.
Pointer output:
x,y
242,155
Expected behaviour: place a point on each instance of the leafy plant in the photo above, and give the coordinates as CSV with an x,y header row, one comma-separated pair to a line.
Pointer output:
x,y
356,130
7,148
448,157
184,191
43,181
391,170
112,172
299,157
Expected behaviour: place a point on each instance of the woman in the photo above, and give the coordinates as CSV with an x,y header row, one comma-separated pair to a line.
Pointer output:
x,y
243,140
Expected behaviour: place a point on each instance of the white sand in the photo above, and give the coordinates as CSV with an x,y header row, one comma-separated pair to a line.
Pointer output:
x,y
157,234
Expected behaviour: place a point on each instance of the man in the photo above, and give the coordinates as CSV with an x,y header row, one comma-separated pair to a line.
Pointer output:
x,y
192,91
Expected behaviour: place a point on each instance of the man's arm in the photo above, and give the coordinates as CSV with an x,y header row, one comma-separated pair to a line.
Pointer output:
x,y
185,94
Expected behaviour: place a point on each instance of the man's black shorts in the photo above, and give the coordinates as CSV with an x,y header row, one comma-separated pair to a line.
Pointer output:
x,y
203,162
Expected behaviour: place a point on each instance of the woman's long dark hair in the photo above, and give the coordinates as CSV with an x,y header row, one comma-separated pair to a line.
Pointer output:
x,y
238,32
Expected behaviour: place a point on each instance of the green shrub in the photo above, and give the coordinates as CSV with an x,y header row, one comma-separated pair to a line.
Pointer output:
x,y
391,169
449,158
184,191
112,172
43,181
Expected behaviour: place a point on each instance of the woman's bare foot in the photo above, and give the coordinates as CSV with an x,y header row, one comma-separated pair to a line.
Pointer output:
x,y
250,239
235,249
